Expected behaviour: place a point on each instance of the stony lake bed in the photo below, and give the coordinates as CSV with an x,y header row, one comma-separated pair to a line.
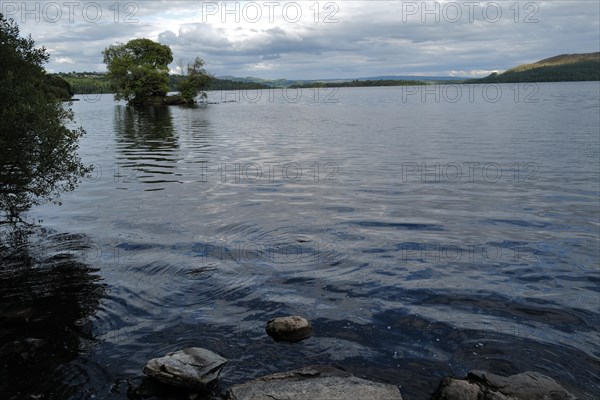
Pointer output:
x,y
422,239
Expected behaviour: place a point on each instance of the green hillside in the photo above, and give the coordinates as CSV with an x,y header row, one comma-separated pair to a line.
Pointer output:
x,y
566,67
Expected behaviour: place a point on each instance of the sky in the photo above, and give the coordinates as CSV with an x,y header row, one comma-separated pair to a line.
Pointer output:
x,y
316,39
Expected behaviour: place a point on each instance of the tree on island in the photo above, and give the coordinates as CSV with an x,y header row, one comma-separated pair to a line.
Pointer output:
x,y
138,70
196,81
38,153
139,73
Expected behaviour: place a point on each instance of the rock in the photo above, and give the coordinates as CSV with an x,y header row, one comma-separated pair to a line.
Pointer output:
x,y
458,389
525,386
194,368
289,329
313,383
481,385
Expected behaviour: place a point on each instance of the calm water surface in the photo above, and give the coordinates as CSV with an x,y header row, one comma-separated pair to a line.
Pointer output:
x,y
424,235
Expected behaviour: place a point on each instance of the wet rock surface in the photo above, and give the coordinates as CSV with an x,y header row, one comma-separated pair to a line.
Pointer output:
x,y
193,368
313,383
289,329
481,385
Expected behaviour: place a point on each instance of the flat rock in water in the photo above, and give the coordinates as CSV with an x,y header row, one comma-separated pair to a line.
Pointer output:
x,y
481,385
194,368
313,383
289,329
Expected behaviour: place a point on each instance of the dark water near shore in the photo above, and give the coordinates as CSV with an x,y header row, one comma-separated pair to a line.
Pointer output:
x,y
424,235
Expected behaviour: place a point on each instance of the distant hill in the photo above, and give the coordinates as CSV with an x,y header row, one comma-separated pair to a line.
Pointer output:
x,y
412,78
566,67
357,83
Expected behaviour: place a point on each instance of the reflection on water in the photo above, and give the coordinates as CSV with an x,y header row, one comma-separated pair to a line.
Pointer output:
x,y
409,270
47,296
145,128
149,146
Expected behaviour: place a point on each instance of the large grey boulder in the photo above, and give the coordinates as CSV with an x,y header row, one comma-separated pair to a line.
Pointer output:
x,y
193,368
313,383
459,389
289,329
481,385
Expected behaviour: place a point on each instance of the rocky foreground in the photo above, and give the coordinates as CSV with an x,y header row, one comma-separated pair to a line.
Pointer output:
x,y
197,371
313,383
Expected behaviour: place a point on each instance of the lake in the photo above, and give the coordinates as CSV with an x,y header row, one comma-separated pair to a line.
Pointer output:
x,y
425,232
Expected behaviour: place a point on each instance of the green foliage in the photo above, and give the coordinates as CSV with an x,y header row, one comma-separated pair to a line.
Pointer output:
x,y
38,158
187,91
58,88
138,70
197,79
219,84
87,83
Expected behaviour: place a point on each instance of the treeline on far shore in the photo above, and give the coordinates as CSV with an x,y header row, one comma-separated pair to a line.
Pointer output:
x,y
93,82
357,83
87,82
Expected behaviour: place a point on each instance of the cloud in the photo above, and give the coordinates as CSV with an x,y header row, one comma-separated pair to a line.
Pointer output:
x,y
64,60
270,57
473,73
369,38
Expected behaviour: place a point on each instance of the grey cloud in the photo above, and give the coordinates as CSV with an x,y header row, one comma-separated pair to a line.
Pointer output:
x,y
370,39
167,37
275,31
267,57
201,34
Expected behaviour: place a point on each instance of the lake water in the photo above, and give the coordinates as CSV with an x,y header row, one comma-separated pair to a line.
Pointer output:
x,y
424,231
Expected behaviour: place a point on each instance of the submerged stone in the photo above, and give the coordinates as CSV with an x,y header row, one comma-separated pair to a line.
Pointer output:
x,y
194,368
289,329
313,383
481,385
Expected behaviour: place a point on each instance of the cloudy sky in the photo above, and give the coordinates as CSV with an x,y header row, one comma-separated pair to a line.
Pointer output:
x,y
317,39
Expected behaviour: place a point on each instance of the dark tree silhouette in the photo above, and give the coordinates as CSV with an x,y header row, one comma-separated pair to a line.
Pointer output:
x,y
38,159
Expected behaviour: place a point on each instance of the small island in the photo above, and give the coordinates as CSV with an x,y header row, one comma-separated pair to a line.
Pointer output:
x,y
139,73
